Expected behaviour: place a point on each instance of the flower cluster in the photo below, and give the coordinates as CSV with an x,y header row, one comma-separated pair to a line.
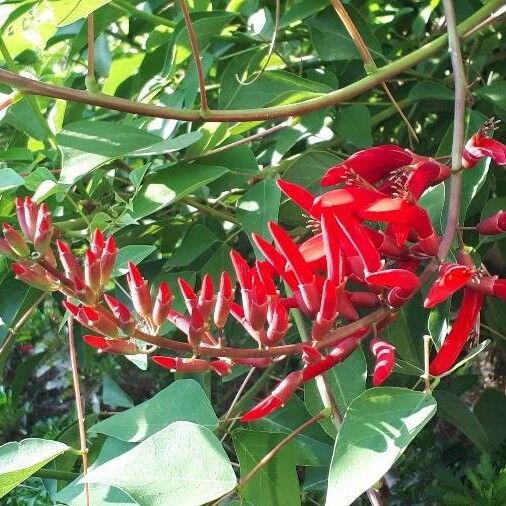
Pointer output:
x,y
369,241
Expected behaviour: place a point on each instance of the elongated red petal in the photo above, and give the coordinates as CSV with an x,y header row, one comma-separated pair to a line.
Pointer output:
x,y
181,364
242,269
459,334
452,277
291,253
297,194
332,247
350,198
495,224
189,296
481,146
385,360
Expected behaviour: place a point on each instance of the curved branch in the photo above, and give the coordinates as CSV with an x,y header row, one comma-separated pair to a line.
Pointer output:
x,y
33,86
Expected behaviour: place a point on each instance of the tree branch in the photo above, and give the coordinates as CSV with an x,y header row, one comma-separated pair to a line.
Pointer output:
x,y
196,55
459,77
282,111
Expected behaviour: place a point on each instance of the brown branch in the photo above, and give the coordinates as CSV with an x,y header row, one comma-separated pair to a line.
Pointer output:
x,y
79,406
196,55
452,219
365,54
27,85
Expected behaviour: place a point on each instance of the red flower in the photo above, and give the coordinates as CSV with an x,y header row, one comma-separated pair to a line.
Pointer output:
x,y
372,164
481,146
223,301
403,284
459,334
350,198
297,194
452,277
139,291
163,303
495,224
117,346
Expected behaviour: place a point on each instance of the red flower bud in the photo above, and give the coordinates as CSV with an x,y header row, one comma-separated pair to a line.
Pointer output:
x,y
260,363
16,241
34,275
495,224
43,230
97,243
459,333
163,304
30,217
242,270
91,271
255,303
332,247
117,346
264,272
83,293
189,296
20,213
385,360
279,325
197,330
6,250
276,399
107,260
139,291
221,367
223,301
364,299
403,284
68,261
206,296
327,313
120,312
310,354
99,322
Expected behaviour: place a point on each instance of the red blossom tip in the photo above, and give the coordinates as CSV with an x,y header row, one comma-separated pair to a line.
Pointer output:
x,y
297,194
71,308
135,275
242,269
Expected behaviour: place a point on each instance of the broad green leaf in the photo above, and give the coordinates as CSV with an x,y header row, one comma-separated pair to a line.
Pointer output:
x,y
105,138
257,206
20,460
276,482
302,10
169,185
475,352
135,253
206,26
353,123
113,394
494,93
73,493
76,164
433,201
345,380
377,428
431,90
22,117
181,400
491,413
9,179
331,40
68,11
195,242
454,411
185,463
313,444
169,145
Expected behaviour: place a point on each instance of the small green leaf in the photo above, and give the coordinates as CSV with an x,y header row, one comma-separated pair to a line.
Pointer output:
x,y
68,11
170,145
181,400
135,253
20,460
353,123
377,428
113,394
185,463
9,179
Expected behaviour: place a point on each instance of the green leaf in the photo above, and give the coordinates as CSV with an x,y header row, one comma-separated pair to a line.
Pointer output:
x,y
185,463
181,400
377,428
195,242
20,460
313,444
257,206
135,253
494,93
22,117
68,11
105,138
76,164
353,122
454,411
277,480
170,145
346,381
113,394
169,185
431,90
491,413
302,10
9,179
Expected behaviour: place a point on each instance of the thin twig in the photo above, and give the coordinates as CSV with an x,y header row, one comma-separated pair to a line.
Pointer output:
x,y
90,32
79,406
196,55
365,54
459,77
36,87
240,142
426,357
